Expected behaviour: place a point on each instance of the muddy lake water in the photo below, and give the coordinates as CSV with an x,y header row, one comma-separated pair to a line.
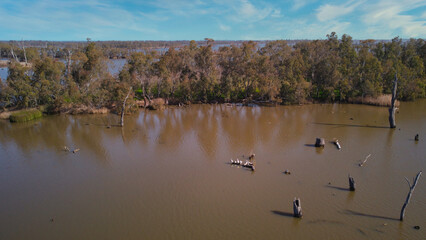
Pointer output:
x,y
166,174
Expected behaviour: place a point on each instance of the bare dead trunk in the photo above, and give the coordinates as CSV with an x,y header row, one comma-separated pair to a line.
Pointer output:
x,y
401,217
69,63
297,208
124,107
320,142
13,54
392,108
25,53
351,183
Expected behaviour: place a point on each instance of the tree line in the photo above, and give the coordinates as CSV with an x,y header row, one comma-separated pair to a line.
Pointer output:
x,y
330,70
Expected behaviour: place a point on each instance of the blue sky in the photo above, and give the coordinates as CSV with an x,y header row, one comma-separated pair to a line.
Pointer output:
x,y
218,19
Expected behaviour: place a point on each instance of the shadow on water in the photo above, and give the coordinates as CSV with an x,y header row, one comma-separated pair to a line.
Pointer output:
x,y
349,125
319,221
338,188
350,212
309,145
318,150
284,214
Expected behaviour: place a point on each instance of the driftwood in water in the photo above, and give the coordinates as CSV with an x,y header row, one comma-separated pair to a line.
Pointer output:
x,y
124,107
250,166
392,109
319,142
66,149
365,160
416,138
236,162
351,183
297,208
401,217
246,164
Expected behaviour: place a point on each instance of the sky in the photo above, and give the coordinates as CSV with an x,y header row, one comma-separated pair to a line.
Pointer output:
x,y
76,20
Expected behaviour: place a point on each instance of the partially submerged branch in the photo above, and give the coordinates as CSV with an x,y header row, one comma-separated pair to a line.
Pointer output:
x,y
365,160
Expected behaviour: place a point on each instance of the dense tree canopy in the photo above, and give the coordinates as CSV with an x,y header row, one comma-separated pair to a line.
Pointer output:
x,y
321,70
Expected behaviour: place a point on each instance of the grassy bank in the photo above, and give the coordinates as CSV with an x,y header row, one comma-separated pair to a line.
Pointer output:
x,y
25,115
382,101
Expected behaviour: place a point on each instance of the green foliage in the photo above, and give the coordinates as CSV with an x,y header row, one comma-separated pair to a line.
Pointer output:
x,y
321,70
25,115
22,92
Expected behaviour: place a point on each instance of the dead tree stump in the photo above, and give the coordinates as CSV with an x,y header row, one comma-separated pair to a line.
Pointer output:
x,y
416,138
392,109
124,108
297,208
319,142
351,183
401,217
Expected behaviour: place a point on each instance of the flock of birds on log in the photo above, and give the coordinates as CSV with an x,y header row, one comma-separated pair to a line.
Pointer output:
x,y
246,164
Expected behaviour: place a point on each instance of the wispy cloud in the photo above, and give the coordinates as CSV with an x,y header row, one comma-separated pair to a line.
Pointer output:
x,y
224,27
222,19
246,11
89,17
276,13
297,28
329,12
390,17
298,4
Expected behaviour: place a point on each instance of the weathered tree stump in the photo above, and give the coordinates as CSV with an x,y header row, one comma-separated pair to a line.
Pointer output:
x,y
407,201
124,107
337,144
416,138
319,142
351,183
392,109
297,208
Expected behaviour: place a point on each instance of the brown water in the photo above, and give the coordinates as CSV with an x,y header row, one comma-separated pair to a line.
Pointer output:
x,y
165,175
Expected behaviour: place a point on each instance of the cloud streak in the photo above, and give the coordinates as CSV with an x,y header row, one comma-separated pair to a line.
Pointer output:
x,y
388,16
329,12
222,19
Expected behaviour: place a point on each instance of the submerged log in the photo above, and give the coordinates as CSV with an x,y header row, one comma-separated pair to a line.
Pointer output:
x,y
319,142
297,208
365,160
351,183
401,217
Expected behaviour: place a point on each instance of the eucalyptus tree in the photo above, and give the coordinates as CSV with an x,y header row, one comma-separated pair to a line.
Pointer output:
x,y
19,81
